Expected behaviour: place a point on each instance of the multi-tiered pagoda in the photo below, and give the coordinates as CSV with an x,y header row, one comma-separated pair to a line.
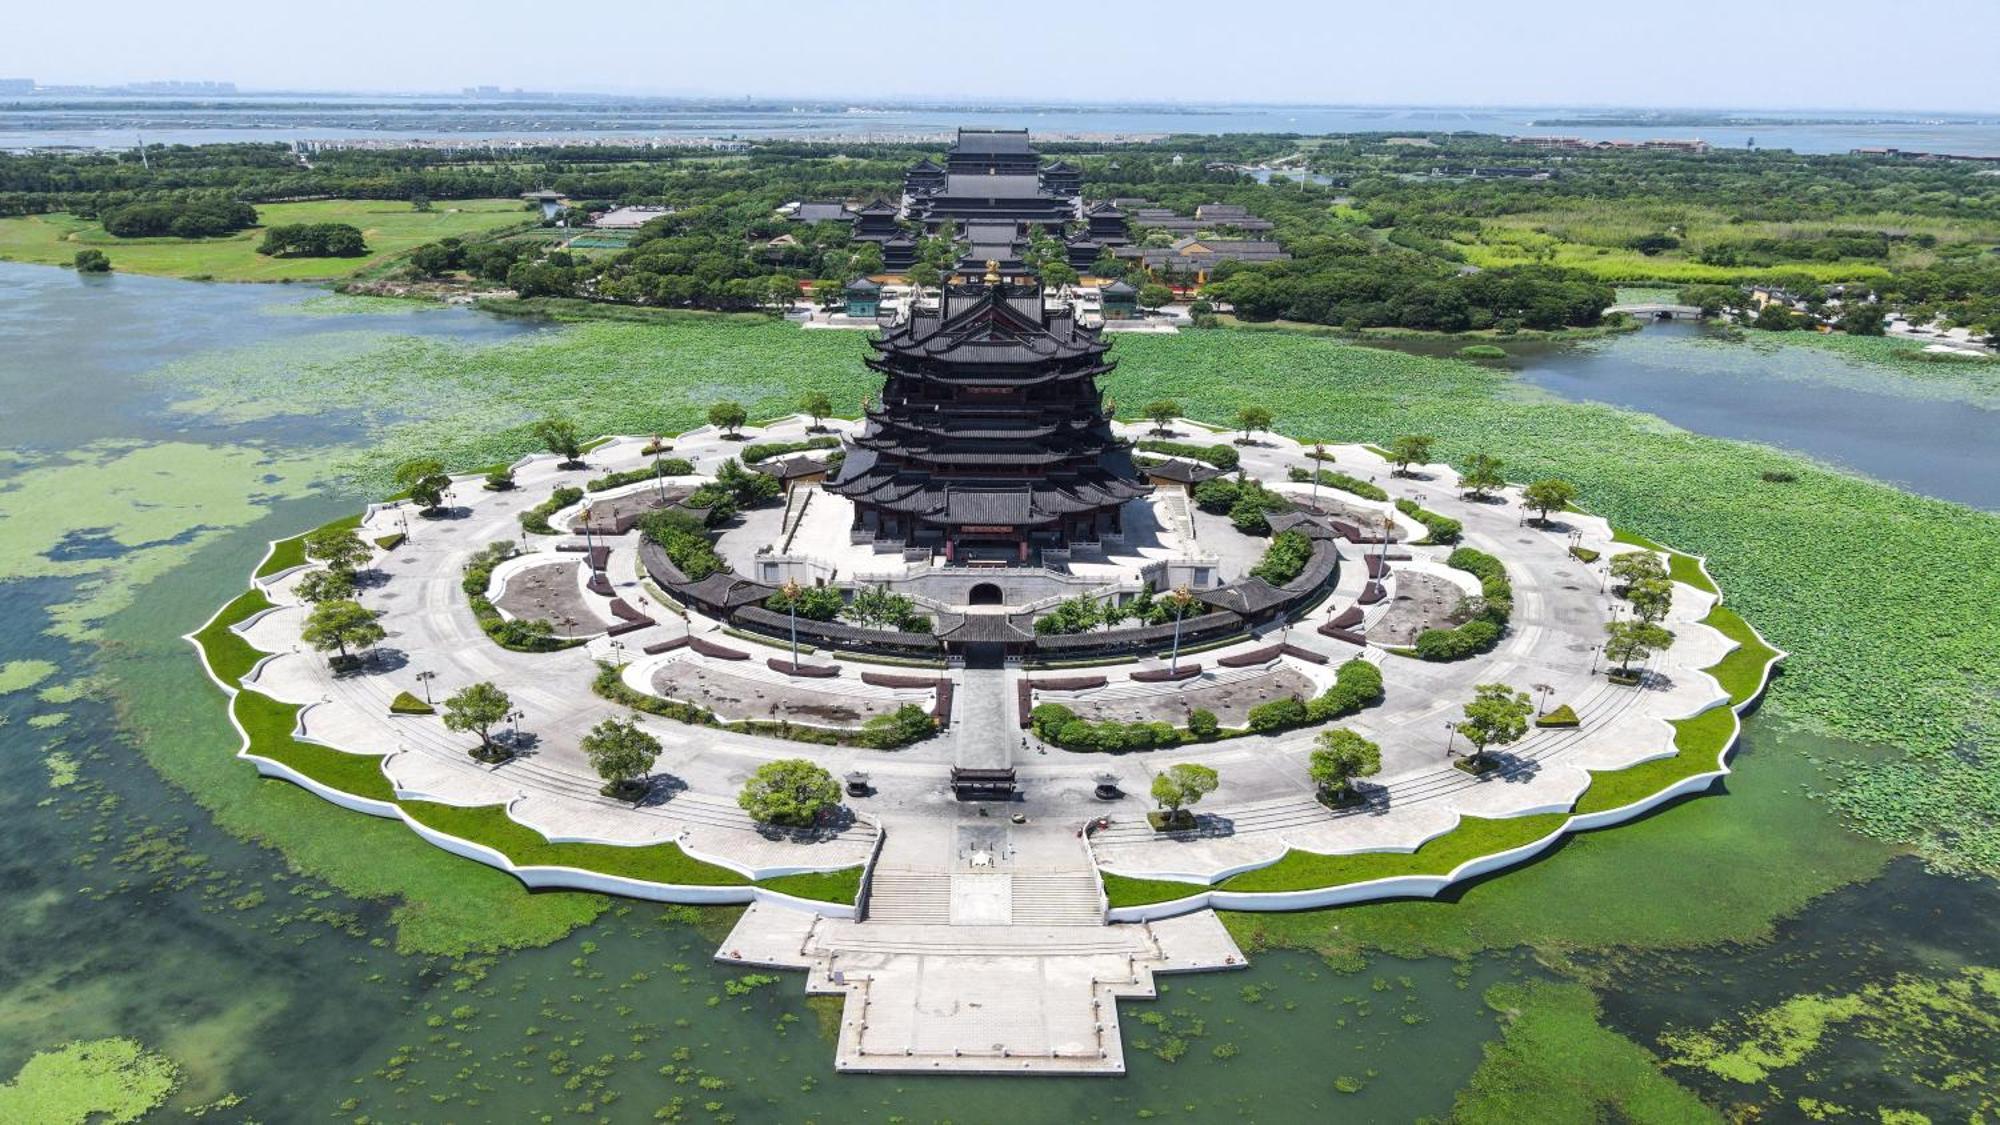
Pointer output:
x,y
989,442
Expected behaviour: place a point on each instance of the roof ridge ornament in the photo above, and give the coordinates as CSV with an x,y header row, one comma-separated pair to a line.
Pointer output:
x,y
992,271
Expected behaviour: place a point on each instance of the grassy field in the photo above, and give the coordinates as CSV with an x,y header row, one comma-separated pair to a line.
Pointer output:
x,y
1594,238
389,226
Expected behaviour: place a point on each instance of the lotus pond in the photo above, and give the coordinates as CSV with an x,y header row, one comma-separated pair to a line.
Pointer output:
x,y
182,936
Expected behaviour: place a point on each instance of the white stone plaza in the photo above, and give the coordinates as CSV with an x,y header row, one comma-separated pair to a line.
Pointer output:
x,y
984,940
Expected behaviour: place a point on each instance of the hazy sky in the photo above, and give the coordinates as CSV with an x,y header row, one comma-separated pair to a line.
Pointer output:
x,y
1890,54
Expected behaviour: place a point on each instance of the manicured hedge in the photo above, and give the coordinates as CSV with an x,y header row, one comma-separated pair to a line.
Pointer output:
x,y
668,467
1224,457
1563,716
407,703
1482,632
1438,529
505,633
536,519
1330,479
764,450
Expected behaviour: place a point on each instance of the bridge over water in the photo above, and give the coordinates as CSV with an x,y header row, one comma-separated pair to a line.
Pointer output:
x,y
1657,310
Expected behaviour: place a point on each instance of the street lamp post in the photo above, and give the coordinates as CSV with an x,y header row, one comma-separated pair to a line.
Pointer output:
x,y
515,718
425,678
1594,650
1181,597
1450,734
791,592
1544,690
618,647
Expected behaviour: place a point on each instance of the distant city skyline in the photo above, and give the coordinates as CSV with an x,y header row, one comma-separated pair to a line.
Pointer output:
x,y
1693,54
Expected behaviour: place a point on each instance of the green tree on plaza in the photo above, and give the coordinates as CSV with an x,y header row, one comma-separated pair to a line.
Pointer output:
x,y
1549,495
425,480
1253,419
817,406
341,624
1498,715
1339,757
1637,566
1179,786
340,548
728,417
1162,411
477,709
1154,296
559,436
791,792
327,585
1480,476
1651,598
621,754
1410,449
924,275
1634,639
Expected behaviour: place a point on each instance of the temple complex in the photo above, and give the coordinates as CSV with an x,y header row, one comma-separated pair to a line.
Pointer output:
x,y
992,175
990,442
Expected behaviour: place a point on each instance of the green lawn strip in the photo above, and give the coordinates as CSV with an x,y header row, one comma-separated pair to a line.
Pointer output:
x,y
285,554
1554,1061
1122,890
1680,567
231,657
842,886
1474,837
288,553
1741,673
1699,741
1303,870
270,725
524,847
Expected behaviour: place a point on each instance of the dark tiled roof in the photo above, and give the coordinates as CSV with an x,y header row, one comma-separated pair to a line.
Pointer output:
x,y
822,213
988,506
970,186
1010,142
975,628
1248,596
1191,472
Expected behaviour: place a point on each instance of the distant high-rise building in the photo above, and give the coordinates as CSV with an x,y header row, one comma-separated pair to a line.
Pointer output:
x,y
17,85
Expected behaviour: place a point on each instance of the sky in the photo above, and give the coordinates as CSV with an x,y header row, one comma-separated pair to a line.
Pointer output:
x,y
1880,54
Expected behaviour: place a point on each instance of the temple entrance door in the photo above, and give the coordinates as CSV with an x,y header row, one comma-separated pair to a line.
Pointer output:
x,y
985,593
985,655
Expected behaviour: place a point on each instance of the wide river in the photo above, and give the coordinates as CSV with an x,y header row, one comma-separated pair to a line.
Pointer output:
x,y
130,910
115,123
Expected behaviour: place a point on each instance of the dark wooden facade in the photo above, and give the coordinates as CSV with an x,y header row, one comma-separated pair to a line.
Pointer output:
x,y
990,441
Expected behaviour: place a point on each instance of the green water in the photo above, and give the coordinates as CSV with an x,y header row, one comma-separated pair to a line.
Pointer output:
x,y
134,910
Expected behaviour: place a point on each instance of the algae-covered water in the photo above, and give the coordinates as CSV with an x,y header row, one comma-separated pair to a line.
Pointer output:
x,y
181,936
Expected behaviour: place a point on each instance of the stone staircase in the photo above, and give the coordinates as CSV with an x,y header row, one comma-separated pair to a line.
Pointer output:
x,y
1056,898
910,898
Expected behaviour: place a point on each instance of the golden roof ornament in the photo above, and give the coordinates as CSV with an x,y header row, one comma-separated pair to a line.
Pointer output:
x,y
992,272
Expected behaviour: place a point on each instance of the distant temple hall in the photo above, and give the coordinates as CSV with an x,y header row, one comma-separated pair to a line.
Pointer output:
x,y
993,175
